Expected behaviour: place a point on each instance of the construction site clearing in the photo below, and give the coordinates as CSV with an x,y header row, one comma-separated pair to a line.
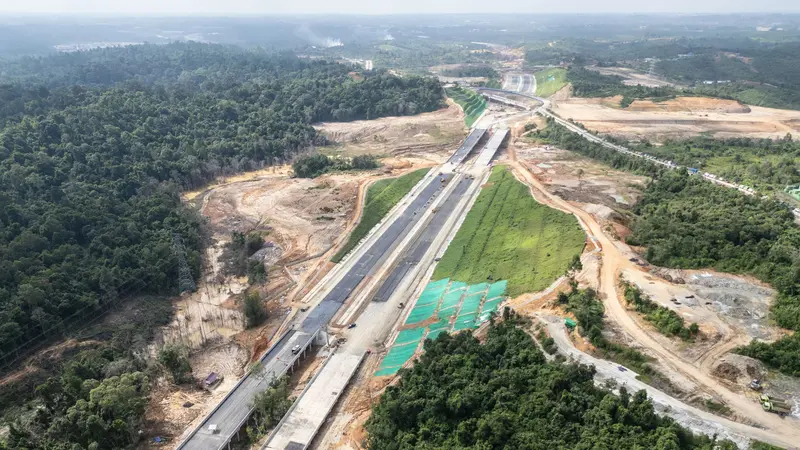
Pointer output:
x,y
677,118
303,221
730,309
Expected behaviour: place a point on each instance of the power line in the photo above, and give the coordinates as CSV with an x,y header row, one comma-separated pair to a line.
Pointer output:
x,y
23,351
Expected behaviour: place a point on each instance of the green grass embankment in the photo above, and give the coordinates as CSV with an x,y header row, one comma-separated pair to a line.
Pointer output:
x,y
507,235
471,102
381,197
550,81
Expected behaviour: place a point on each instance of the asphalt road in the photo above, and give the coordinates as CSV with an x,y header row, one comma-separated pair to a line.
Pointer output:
x,y
423,242
230,413
526,83
235,408
466,147
323,313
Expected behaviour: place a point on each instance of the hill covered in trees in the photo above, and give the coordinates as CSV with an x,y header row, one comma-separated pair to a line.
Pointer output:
x,y
503,394
687,222
91,170
95,148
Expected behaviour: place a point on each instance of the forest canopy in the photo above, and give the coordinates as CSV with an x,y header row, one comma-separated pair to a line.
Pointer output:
x,y
96,146
503,394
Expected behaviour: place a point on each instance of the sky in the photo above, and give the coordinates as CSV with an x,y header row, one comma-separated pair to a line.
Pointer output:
x,y
248,7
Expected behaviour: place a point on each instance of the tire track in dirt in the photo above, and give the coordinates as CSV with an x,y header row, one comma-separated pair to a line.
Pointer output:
x,y
611,265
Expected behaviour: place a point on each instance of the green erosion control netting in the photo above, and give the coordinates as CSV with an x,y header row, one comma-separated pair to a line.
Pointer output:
x,y
492,305
464,322
427,302
447,312
477,288
387,371
456,285
471,304
440,325
497,289
399,355
451,299
427,299
444,300
421,313
410,335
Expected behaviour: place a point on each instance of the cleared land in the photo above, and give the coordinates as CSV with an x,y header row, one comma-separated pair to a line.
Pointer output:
x,y
430,136
507,235
381,197
550,81
472,103
632,77
679,117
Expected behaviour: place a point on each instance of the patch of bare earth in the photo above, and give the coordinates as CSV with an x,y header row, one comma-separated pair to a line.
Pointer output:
x,y
430,136
632,77
731,310
303,221
678,118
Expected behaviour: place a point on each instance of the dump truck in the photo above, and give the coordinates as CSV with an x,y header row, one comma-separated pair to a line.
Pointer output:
x,y
775,405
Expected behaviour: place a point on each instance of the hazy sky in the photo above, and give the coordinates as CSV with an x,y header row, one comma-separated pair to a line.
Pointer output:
x,y
210,7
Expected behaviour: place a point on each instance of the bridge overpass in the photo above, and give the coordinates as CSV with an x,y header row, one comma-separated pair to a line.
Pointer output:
x,y
224,422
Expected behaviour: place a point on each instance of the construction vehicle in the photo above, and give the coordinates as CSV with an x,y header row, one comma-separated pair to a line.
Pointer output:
x,y
775,405
755,385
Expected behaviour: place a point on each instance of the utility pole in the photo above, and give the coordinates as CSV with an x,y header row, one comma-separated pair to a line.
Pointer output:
x,y
185,279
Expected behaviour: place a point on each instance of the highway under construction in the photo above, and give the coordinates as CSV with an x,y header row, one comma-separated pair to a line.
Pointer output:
x,y
389,261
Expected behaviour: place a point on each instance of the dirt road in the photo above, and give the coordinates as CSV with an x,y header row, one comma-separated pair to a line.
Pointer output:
x,y
786,431
697,420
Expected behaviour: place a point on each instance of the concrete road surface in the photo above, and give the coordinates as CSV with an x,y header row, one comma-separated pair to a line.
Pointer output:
x,y
309,412
235,407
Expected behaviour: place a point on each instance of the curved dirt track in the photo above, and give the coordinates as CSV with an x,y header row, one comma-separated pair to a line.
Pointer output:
x,y
784,431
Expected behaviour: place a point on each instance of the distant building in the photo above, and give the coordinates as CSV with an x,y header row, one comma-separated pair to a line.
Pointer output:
x,y
368,64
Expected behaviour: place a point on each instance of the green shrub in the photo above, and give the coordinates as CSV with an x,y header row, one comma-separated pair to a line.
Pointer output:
x,y
253,309
176,360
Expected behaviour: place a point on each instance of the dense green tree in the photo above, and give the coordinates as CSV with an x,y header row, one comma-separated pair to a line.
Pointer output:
x,y
687,222
253,309
176,360
270,405
502,394
96,146
566,139
665,320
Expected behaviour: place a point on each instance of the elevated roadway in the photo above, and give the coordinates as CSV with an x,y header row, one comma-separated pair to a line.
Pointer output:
x,y
224,422
491,148
301,423
466,147
298,430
